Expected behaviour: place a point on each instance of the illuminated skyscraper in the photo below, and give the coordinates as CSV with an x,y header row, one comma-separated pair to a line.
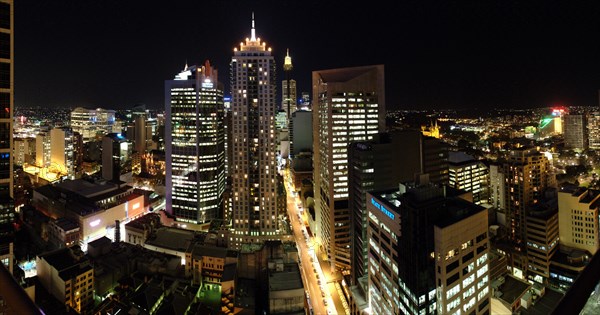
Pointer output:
x,y
349,105
427,252
91,122
195,149
288,87
116,156
576,134
7,214
254,160
61,151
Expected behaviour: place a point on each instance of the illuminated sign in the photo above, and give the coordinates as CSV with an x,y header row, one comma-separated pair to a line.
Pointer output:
x,y
207,84
382,208
95,223
135,206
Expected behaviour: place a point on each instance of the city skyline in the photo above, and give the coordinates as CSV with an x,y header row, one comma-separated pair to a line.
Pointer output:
x,y
505,54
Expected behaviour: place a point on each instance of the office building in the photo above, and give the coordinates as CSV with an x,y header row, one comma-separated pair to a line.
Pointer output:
x,y
68,276
542,234
467,173
62,151
195,140
24,151
428,252
349,105
254,160
576,136
288,87
7,211
300,132
497,185
94,123
593,128
42,150
116,156
578,218
527,175
372,165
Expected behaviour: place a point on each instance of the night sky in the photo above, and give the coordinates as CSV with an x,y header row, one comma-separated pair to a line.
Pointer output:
x,y
443,54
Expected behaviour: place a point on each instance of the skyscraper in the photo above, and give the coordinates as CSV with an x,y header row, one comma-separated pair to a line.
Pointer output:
x,y
116,152
195,149
372,165
288,87
470,174
254,160
527,174
61,151
576,135
428,252
349,105
13,298
7,211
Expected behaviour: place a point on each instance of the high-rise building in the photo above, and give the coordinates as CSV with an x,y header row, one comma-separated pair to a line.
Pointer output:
x,y
349,105
578,218
254,161
300,129
527,175
593,128
576,131
24,151
7,211
372,165
288,87
92,123
497,185
116,154
468,173
13,298
61,151
42,150
140,134
542,239
195,144
428,252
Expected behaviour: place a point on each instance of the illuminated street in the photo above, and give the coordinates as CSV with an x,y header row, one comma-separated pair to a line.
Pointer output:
x,y
316,281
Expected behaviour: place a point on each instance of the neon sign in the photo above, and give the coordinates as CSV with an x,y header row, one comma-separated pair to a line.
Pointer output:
x,y
382,208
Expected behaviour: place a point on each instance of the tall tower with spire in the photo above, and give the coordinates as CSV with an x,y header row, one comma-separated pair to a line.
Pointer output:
x,y
288,87
254,162
195,150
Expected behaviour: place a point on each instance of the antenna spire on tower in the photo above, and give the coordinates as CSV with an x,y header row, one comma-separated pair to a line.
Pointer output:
x,y
253,32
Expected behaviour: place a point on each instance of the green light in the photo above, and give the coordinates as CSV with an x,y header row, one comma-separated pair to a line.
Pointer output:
x,y
545,121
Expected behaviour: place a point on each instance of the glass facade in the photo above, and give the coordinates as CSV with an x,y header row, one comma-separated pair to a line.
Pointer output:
x,y
196,154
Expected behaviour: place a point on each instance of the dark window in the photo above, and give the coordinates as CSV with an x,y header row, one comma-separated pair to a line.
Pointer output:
x,y
4,15
452,279
5,45
481,248
467,257
451,266
4,75
483,304
481,237
4,165
5,132
4,105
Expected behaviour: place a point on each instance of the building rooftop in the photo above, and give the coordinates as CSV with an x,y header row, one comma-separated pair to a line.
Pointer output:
x,y
86,188
148,219
459,157
171,238
545,304
512,289
66,224
288,279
